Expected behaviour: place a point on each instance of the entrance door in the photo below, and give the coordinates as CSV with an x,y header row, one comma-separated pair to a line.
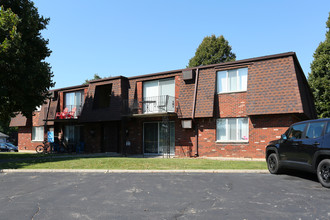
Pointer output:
x,y
159,138
110,138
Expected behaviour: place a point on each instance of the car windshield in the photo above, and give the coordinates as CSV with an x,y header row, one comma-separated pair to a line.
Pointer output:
x,y
10,145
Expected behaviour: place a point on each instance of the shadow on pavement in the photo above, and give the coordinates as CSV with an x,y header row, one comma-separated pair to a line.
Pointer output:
x,y
301,174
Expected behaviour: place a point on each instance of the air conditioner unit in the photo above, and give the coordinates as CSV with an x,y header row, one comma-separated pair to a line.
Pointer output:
x,y
188,74
186,123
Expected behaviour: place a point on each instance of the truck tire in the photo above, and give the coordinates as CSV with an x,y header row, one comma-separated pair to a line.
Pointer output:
x,y
323,172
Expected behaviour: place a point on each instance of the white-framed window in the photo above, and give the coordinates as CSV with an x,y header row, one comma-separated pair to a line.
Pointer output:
x,y
233,130
38,133
232,80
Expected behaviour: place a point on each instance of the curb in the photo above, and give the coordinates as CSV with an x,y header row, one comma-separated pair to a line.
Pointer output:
x,y
126,171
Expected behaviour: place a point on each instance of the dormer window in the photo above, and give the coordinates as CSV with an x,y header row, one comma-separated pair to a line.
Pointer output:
x,y
232,80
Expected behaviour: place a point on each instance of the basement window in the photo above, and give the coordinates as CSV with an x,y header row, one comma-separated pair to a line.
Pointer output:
x,y
102,96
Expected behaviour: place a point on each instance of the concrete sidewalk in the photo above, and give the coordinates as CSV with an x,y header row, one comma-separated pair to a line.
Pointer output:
x,y
126,171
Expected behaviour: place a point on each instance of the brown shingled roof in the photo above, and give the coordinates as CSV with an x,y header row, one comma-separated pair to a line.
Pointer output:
x,y
113,112
18,120
219,65
276,87
205,93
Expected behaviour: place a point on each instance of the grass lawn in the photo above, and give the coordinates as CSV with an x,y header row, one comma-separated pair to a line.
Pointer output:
x,y
121,163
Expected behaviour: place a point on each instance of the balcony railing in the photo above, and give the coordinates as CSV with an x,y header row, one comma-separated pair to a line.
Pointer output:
x,y
158,104
69,112
149,105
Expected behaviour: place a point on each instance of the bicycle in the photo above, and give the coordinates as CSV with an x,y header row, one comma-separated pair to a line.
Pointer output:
x,y
62,147
45,148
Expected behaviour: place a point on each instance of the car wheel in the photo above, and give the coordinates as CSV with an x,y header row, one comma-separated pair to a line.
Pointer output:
x,y
323,172
273,164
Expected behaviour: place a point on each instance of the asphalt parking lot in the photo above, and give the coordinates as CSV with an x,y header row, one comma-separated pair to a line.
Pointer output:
x,y
161,196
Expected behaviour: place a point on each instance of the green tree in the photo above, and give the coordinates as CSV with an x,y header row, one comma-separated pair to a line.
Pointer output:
x,y
96,76
25,77
212,50
319,78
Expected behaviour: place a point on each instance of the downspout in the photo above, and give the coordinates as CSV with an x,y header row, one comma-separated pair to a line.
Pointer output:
x,y
193,112
196,139
45,125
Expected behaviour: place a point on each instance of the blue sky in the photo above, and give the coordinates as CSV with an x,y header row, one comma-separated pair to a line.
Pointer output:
x,y
131,38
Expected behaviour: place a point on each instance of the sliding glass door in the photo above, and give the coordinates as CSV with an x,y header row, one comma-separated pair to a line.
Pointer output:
x,y
150,132
158,96
74,101
158,138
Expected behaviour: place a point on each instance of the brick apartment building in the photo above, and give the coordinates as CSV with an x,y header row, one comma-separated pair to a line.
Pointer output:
x,y
229,109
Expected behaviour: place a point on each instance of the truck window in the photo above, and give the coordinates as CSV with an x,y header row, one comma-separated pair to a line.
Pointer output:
x,y
296,131
327,131
314,130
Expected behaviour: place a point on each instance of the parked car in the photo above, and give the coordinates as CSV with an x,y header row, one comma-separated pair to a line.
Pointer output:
x,y
8,147
304,146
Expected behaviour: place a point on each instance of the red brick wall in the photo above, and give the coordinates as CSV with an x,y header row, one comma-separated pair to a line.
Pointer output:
x,y
139,93
231,105
61,100
24,138
135,132
25,142
184,141
262,129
